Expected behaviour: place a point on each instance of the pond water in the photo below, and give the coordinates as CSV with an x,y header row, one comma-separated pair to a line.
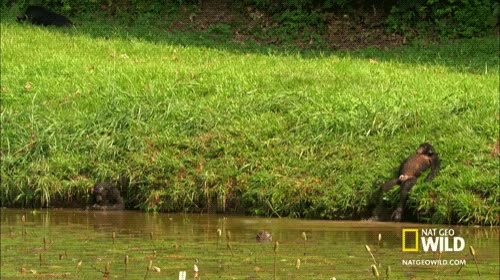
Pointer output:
x,y
78,244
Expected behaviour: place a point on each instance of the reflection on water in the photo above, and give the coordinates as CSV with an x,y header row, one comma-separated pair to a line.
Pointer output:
x,y
177,242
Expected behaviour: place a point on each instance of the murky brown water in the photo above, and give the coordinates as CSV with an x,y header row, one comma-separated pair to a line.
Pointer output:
x,y
178,242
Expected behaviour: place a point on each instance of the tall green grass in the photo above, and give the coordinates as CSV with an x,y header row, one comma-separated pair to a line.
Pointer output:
x,y
263,132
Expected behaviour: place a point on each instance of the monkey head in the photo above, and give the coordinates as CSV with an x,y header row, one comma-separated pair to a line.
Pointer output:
x,y
426,149
21,18
100,192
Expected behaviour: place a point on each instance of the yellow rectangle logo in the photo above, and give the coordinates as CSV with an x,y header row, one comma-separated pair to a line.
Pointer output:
x,y
410,240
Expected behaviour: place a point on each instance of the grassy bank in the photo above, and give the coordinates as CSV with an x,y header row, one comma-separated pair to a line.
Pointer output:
x,y
214,127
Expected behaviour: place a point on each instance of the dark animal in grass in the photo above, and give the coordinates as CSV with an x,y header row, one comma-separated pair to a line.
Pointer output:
x,y
41,16
264,236
107,197
411,168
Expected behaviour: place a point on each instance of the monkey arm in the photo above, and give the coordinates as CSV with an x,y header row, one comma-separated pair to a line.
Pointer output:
x,y
435,165
389,184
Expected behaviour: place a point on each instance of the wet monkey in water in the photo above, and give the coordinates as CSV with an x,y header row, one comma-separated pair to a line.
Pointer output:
x,y
411,168
107,197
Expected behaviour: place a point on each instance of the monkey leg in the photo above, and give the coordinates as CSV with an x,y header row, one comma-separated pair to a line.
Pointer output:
x,y
378,213
406,186
389,185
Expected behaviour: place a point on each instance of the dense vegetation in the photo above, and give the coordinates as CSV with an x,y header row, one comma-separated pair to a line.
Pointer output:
x,y
198,122
437,18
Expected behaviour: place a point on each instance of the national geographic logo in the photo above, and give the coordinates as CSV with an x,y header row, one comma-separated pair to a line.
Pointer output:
x,y
410,240
432,239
